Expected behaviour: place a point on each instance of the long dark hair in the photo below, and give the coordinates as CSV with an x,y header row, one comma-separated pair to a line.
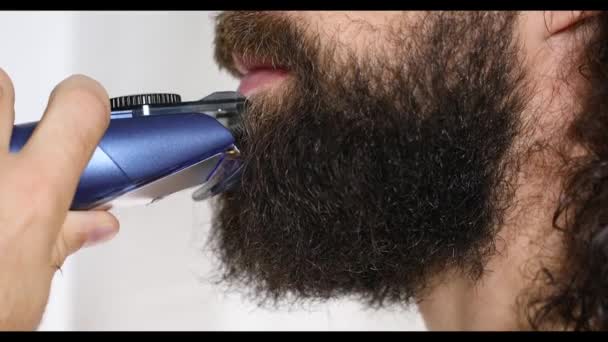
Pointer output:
x,y
576,296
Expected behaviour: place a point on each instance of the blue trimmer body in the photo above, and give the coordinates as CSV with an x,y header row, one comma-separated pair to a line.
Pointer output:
x,y
157,145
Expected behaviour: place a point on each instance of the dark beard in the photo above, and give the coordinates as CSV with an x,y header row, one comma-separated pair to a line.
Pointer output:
x,y
367,178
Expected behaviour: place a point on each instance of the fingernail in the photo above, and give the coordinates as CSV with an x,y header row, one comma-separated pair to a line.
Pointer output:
x,y
100,235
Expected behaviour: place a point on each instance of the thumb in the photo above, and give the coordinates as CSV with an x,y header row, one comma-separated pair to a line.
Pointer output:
x,y
83,229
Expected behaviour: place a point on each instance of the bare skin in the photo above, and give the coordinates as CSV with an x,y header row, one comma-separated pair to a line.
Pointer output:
x,y
547,38
38,230
458,304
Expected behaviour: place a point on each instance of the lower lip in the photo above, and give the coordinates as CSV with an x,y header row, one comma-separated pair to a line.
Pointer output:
x,y
256,80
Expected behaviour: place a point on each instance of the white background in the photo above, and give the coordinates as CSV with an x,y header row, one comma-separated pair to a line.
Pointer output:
x,y
154,275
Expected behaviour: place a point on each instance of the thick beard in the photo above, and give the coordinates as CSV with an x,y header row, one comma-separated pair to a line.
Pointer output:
x,y
368,178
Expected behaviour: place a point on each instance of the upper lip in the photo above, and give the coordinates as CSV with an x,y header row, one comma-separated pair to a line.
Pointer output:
x,y
247,64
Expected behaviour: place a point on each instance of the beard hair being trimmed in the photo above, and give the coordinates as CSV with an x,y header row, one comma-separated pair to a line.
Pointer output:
x,y
367,177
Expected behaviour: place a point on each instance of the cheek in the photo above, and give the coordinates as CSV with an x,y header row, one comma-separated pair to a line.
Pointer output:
x,y
552,74
361,32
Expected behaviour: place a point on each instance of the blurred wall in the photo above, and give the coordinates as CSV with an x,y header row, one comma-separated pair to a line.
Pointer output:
x,y
156,274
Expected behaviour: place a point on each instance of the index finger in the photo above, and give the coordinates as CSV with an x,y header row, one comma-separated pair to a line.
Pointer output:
x,y
76,118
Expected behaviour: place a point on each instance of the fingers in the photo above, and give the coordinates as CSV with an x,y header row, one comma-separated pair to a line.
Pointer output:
x,y
63,142
83,229
7,110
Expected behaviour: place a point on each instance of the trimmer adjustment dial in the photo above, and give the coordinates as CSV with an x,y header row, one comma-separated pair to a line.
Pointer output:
x,y
134,101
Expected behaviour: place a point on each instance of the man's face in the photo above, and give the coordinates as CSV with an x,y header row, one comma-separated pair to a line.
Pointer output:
x,y
379,149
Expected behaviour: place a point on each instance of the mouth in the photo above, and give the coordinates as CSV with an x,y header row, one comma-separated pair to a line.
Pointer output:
x,y
257,74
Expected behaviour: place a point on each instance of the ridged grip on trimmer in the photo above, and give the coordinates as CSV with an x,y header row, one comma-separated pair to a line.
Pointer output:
x,y
135,101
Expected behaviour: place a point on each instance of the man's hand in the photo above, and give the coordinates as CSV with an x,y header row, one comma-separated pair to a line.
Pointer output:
x,y
37,185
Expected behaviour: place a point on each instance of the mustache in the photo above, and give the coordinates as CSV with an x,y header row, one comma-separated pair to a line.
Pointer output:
x,y
268,37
